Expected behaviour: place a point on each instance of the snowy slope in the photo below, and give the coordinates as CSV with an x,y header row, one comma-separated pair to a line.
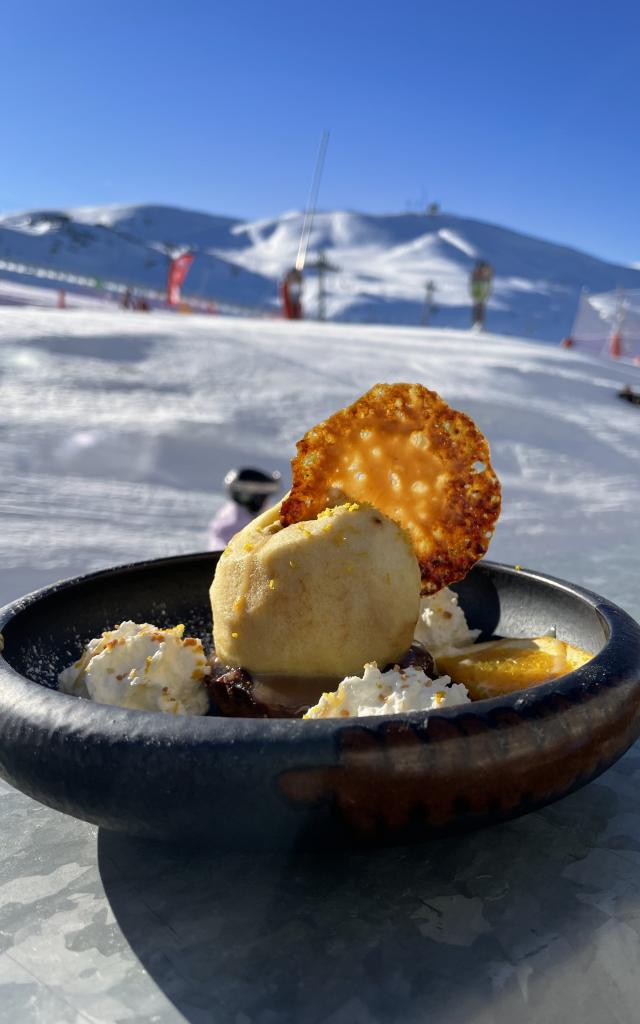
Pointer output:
x,y
384,262
169,225
115,433
110,252
15,293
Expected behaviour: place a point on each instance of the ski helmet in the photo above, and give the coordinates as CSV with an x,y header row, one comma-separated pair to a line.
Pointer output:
x,y
251,487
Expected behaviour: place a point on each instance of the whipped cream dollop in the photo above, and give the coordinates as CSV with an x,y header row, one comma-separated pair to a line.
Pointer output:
x,y
388,693
442,623
138,665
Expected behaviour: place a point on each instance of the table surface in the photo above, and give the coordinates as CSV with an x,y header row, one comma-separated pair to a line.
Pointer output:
x,y
536,920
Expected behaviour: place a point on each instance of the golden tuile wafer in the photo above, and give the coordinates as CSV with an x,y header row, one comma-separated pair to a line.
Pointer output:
x,y
401,448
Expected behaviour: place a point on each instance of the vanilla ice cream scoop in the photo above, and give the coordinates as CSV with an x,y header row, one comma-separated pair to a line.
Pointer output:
x,y
317,599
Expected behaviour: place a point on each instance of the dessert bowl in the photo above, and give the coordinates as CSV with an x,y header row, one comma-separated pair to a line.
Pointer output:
x,y
270,782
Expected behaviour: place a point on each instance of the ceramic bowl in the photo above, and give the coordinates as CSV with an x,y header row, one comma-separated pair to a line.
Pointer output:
x,y
273,782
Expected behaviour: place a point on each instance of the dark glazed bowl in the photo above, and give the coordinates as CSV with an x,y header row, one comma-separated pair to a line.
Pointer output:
x,y
269,782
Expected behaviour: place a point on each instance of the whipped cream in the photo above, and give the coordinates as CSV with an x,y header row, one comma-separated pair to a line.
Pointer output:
x,y
143,667
442,623
388,693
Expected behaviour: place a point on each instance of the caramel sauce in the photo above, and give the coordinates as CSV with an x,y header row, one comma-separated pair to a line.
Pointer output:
x,y
295,693
272,695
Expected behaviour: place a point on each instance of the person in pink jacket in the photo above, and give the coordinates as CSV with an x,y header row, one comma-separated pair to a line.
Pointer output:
x,y
249,492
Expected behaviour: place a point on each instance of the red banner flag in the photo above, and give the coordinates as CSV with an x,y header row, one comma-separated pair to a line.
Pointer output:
x,y
615,345
178,270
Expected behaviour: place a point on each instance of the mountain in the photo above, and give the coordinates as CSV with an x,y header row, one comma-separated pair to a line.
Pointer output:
x,y
129,245
386,261
383,262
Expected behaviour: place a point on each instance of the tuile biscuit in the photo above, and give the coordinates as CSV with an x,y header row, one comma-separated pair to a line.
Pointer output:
x,y
401,448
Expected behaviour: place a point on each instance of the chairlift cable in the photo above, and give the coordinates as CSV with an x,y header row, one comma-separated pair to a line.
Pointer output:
x,y
311,205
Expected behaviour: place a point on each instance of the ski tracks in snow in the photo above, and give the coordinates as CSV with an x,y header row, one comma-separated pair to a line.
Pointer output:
x,y
116,430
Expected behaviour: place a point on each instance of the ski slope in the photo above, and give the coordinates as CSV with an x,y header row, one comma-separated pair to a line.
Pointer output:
x,y
111,252
116,430
383,262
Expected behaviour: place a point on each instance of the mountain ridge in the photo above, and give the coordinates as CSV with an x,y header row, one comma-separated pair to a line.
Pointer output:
x,y
384,262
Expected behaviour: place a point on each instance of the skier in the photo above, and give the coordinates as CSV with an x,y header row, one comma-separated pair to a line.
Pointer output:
x,y
480,287
291,295
429,305
248,490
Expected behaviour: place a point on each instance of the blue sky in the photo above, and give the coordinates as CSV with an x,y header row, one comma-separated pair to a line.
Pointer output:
x,y
526,114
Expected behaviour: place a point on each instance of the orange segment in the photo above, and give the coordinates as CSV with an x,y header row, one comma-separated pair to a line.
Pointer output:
x,y
503,666
576,657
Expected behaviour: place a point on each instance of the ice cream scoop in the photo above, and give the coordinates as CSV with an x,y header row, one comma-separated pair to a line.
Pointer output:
x,y
316,600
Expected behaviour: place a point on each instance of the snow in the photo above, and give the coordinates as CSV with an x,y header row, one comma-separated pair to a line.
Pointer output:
x,y
129,246
116,430
15,293
384,262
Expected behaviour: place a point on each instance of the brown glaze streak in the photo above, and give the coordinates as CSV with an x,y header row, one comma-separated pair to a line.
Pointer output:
x,y
400,780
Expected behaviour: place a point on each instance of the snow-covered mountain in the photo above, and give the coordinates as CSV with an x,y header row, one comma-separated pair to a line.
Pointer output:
x,y
383,262
124,245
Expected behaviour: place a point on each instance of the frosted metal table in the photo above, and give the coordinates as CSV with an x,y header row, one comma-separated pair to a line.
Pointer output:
x,y
535,920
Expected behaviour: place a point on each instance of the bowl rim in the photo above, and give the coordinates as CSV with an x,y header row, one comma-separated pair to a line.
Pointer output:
x,y
619,656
